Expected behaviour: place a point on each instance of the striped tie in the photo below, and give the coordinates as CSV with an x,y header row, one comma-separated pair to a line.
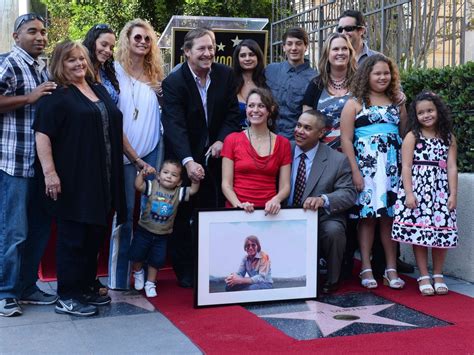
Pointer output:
x,y
300,182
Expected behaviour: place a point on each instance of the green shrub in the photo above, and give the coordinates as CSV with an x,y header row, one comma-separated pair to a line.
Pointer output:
x,y
456,86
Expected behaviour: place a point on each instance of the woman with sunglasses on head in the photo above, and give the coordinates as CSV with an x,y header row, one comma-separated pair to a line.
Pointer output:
x,y
328,92
248,65
139,73
100,42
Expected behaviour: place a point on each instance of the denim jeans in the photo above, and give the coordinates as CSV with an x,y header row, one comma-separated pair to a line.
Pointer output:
x,y
149,247
121,238
39,232
24,233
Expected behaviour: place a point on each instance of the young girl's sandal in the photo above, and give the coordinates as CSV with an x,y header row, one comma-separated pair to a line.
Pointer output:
x,y
368,282
440,287
427,289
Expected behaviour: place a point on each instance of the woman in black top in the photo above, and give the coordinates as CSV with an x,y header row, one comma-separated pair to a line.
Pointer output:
x,y
79,143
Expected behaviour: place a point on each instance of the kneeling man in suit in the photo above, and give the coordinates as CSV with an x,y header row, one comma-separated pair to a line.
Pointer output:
x,y
322,181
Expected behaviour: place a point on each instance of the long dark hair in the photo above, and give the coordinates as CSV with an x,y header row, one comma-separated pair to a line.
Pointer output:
x,y
89,43
258,76
444,124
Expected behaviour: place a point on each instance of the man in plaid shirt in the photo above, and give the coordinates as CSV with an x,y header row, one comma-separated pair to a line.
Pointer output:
x,y
24,229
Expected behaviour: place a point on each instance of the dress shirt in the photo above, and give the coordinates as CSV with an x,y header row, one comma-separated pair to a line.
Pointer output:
x,y
203,93
310,155
288,85
20,74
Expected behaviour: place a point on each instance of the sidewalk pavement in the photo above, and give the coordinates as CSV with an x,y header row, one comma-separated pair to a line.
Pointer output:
x,y
129,325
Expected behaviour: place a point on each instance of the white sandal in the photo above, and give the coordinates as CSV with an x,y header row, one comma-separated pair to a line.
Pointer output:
x,y
440,287
427,289
367,283
396,283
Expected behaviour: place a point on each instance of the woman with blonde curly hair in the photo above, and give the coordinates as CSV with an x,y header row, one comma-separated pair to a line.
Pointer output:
x,y
329,91
139,73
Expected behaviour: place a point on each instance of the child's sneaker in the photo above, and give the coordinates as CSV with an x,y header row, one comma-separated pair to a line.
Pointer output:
x,y
139,277
150,289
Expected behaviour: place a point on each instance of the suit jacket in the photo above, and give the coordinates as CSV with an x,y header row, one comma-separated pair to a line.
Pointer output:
x,y
331,175
186,132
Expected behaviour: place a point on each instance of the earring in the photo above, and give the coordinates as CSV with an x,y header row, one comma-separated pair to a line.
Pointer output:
x,y
247,122
269,122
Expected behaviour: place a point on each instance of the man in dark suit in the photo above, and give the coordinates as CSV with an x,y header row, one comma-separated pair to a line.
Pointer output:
x,y
200,109
322,181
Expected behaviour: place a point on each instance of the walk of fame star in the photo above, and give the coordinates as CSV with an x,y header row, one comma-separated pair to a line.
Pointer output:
x,y
220,47
331,318
236,41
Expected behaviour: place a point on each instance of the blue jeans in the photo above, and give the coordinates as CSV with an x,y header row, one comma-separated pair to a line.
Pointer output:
x,y
149,247
121,238
24,234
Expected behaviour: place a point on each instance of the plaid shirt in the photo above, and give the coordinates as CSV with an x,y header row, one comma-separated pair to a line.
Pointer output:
x,y
19,75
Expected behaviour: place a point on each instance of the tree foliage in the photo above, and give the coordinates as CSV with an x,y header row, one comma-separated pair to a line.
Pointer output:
x,y
73,18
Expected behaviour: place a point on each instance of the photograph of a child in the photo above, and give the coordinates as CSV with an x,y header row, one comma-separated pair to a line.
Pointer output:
x,y
257,255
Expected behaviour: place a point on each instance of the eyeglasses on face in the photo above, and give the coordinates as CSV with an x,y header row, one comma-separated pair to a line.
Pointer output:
x,y
248,245
347,28
138,38
20,21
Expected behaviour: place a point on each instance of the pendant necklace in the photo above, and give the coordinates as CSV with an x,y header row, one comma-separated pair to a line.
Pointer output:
x,y
133,82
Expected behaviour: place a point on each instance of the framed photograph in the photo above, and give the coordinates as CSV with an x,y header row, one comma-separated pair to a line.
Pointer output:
x,y
251,257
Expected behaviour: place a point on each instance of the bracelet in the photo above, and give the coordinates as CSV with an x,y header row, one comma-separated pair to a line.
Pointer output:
x,y
135,161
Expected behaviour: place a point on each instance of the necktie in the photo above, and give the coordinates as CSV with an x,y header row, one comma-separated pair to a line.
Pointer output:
x,y
300,182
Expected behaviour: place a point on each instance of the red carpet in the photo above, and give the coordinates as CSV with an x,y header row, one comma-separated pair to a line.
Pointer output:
x,y
227,329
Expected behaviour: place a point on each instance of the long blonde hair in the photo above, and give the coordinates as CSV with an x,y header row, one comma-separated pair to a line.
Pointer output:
x,y
325,67
153,66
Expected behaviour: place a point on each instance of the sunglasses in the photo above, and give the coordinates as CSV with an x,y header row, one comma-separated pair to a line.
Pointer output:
x,y
250,245
138,38
101,26
348,28
20,21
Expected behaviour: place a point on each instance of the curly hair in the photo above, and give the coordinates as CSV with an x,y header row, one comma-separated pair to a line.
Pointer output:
x,y
258,75
269,102
153,66
324,66
89,42
360,87
444,123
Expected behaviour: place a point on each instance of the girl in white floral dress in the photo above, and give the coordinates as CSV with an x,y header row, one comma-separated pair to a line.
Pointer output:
x,y
425,212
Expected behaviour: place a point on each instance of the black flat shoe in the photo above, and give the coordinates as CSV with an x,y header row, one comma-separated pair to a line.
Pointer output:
x,y
330,288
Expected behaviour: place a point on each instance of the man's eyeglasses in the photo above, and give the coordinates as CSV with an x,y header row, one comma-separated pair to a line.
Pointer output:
x,y
21,20
253,245
138,38
347,28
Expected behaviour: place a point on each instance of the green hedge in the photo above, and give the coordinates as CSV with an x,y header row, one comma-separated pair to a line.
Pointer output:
x,y
456,86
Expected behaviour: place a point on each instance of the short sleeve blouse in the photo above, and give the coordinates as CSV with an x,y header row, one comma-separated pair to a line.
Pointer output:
x,y
255,177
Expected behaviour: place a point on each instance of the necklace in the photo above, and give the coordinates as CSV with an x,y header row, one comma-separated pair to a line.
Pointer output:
x,y
258,164
338,84
133,82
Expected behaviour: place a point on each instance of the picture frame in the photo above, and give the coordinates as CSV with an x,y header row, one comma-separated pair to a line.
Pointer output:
x,y
287,249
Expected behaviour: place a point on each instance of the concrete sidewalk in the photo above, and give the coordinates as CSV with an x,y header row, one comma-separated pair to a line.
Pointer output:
x,y
129,325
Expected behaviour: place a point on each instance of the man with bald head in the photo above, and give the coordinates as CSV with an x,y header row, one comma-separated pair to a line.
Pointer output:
x,y
24,230
322,181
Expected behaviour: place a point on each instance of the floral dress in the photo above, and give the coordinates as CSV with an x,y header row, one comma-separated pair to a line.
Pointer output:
x,y
377,149
431,224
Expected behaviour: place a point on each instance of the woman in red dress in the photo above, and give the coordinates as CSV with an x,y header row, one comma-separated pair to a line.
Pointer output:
x,y
256,163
